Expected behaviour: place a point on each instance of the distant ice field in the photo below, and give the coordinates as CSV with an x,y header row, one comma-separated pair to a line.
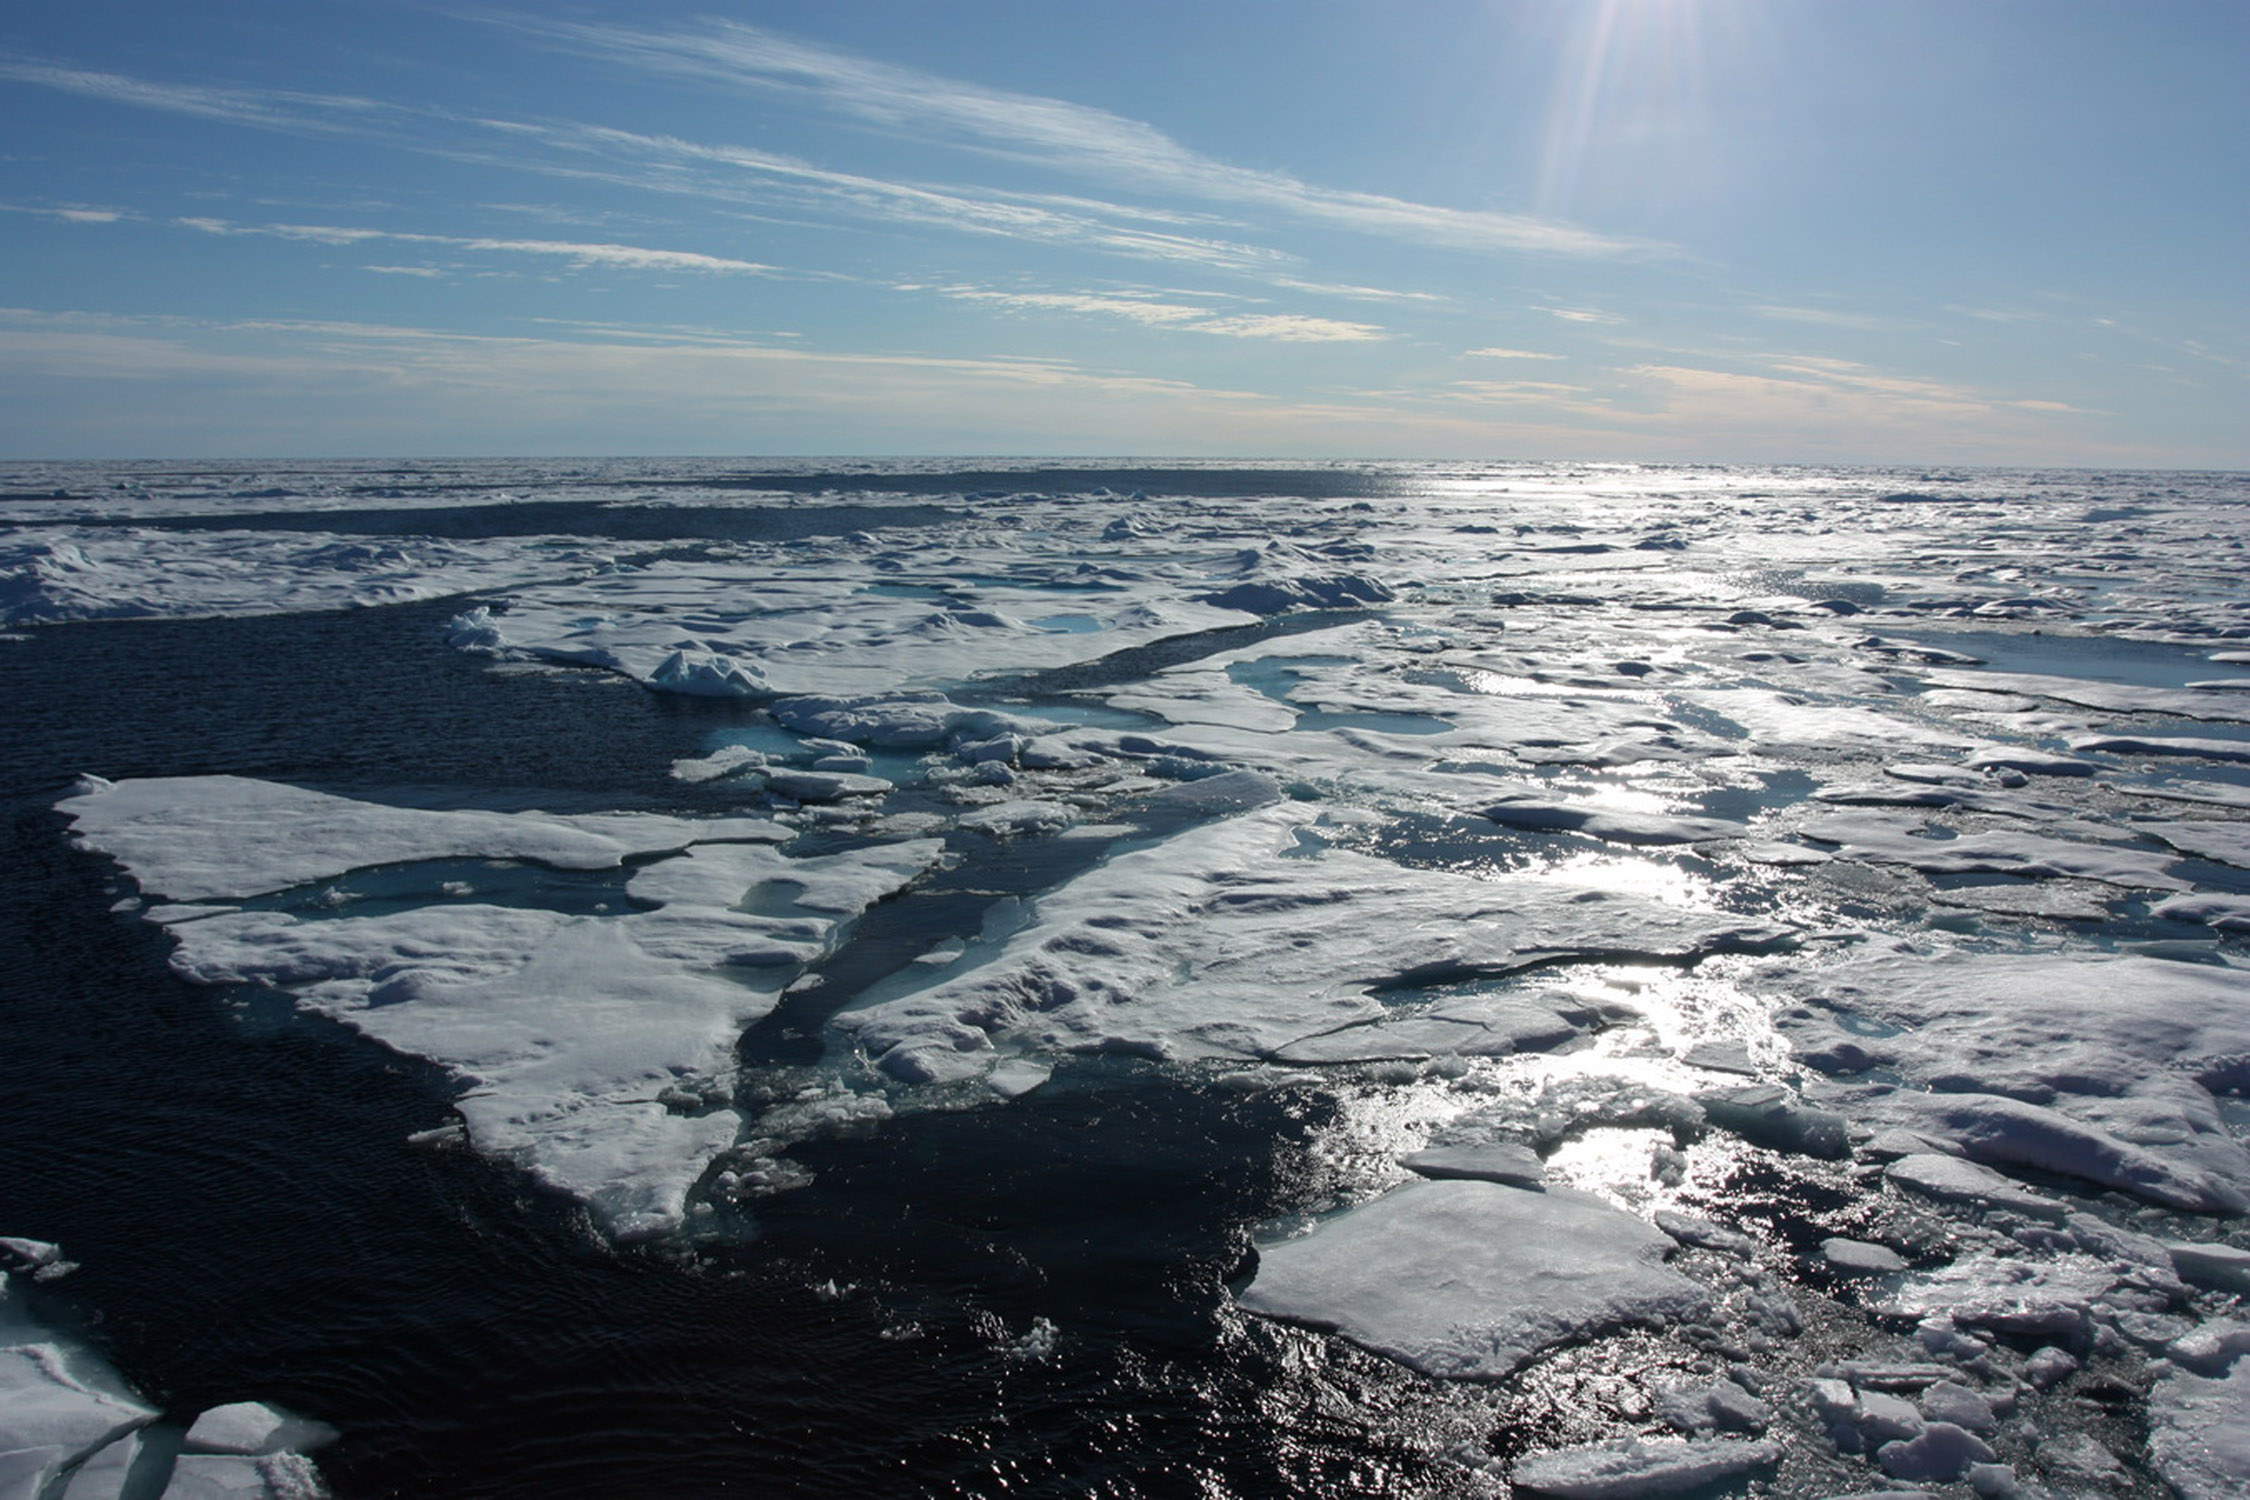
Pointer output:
x,y
1001,977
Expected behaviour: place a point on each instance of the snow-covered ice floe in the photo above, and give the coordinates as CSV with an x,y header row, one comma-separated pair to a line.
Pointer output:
x,y
1787,925
595,1049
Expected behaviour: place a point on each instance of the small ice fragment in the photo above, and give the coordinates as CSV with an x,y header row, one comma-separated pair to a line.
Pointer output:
x,y
1508,1162
1950,1401
253,1427
1633,1467
2080,1458
1703,1234
1544,815
1017,1077
1941,1453
2222,1268
1768,1116
2049,1365
825,786
2030,762
42,1258
1858,1258
1957,1181
1037,1343
1722,1055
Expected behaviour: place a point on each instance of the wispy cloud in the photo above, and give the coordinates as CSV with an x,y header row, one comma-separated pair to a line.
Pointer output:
x,y
714,173
627,257
270,109
69,213
1291,328
1050,132
1294,328
1824,316
1499,353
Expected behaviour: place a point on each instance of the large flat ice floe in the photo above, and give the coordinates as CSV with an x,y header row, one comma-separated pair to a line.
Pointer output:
x,y
595,1049
52,574
1234,940
1471,1279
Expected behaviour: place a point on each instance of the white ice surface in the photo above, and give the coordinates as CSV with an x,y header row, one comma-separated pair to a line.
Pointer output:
x,y
1470,1278
253,1427
199,838
565,1032
1214,944
51,574
2199,1432
2121,1054
1633,1467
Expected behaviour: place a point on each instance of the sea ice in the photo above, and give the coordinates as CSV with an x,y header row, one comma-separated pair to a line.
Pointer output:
x,y
569,1034
201,838
1471,1279
1211,944
1629,1468
253,1427
2199,1432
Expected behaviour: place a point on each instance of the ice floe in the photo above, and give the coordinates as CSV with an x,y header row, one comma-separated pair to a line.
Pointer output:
x,y
1471,1279
1213,944
594,1049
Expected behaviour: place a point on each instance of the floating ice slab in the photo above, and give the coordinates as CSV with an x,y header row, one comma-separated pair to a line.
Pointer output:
x,y
1509,1163
569,1034
53,574
1616,827
2124,1050
1213,944
201,838
1634,1467
1881,839
253,1427
1470,1279
60,1403
1956,1180
2199,1433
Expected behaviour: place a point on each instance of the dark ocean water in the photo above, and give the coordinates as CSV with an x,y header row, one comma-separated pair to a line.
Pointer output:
x,y
237,1184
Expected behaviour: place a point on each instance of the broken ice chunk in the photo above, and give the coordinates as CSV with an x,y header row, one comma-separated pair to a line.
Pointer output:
x,y
1470,1279
2199,1433
1507,1162
1767,1115
1613,826
1957,1181
1632,1467
253,1427
1858,1258
2224,1268
1939,1453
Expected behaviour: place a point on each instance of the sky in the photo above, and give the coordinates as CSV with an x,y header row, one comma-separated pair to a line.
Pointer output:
x,y
1888,231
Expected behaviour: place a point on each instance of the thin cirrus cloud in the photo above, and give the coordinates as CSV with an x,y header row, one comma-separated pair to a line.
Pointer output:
x,y
628,257
279,109
1295,328
722,174
752,178
1052,132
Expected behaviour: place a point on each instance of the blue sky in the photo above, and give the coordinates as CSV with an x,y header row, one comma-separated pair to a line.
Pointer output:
x,y
1889,231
